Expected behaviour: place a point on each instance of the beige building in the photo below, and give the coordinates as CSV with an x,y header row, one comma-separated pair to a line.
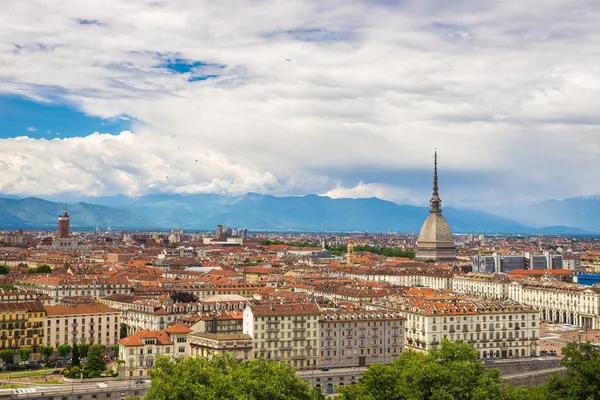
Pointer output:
x,y
567,303
495,328
206,345
494,286
358,338
285,332
57,287
81,323
141,349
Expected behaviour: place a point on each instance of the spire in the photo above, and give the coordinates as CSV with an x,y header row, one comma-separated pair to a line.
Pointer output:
x,y
435,201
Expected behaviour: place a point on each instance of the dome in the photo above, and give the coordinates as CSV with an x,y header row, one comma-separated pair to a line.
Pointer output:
x,y
435,229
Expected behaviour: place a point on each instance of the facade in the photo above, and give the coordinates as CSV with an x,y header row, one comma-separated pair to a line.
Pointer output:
x,y
139,313
435,240
493,286
81,323
285,332
57,287
206,345
567,303
499,262
358,338
495,328
22,324
141,349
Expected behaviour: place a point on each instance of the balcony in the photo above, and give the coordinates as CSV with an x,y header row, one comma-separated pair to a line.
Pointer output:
x,y
299,320
273,322
273,329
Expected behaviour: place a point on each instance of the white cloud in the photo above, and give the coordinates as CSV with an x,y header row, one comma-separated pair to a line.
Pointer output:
x,y
31,129
311,89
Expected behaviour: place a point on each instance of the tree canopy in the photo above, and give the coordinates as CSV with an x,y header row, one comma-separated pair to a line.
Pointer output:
x,y
64,350
7,356
46,351
184,297
95,364
41,269
223,377
449,372
3,269
582,380
24,354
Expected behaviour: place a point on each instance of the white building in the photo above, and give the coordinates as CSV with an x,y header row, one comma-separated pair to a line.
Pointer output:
x,y
285,332
494,286
141,349
495,328
358,338
81,323
567,303
58,287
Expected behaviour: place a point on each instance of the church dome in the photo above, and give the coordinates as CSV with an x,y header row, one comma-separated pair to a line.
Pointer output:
x,y
435,240
435,229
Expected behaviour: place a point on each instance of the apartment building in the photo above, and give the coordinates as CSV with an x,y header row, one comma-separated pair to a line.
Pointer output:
x,y
416,275
495,328
493,286
567,303
357,338
285,332
205,344
81,323
57,287
141,349
22,324
140,313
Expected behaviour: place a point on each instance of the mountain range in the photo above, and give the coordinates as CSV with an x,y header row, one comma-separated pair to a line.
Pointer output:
x,y
259,212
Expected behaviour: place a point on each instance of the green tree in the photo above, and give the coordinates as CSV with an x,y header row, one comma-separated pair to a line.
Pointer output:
x,y
83,349
583,371
3,269
449,372
122,330
115,349
7,356
64,350
24,354
95,364
46,351
75,360
43,269
223,377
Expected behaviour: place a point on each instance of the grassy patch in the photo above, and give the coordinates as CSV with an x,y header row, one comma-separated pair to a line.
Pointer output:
x,y
25,374
13,386
55,382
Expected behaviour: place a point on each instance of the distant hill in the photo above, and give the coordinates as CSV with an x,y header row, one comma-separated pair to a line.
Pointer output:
x,y
32,212
579,212
254,211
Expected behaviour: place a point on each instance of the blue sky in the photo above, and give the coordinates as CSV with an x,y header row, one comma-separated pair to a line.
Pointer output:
x,y
345,98
23,117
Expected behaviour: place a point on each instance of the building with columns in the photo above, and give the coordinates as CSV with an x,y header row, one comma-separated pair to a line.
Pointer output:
x,y
567,303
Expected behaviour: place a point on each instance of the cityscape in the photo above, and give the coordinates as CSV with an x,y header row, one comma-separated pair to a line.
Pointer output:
x,y
299,200
327,305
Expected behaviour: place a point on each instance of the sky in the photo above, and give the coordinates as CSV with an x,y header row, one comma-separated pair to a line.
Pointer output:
x,y
345,98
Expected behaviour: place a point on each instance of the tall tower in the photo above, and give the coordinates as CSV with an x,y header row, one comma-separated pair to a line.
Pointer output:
x,y
64,224
435,239
350,254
